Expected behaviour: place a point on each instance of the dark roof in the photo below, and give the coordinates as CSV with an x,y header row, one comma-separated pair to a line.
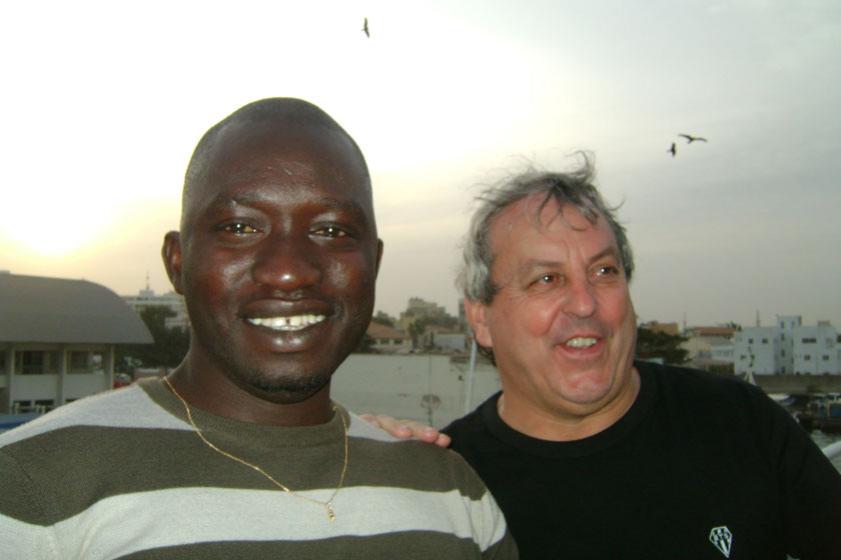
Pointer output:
x,y
37,309
711,331
380,331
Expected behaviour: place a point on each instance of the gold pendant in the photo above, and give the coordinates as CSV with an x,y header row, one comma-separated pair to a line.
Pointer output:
x,y
330,514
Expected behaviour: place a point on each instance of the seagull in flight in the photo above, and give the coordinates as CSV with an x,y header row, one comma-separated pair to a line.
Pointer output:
x,y
690,138
365,29
672,150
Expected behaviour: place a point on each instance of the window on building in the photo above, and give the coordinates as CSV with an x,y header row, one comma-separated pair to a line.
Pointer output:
x,y
809,340
78,362
750,341
36,362
764,341
825,358
2,362
96,362
807,357
782,336
743,357
783,352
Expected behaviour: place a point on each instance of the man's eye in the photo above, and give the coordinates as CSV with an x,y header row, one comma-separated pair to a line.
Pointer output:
x,y
239,229
608,270
331,231
546,279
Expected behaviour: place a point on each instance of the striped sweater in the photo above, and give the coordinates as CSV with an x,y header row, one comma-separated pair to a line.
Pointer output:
x,y
123,475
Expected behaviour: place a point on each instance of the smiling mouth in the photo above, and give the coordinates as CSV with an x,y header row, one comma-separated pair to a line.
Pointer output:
x,y
291,323
581,342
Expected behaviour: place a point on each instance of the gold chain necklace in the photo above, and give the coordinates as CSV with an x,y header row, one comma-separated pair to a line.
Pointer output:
x,y
328,505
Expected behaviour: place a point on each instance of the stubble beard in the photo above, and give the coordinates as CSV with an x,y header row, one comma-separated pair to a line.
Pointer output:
x,y
265,382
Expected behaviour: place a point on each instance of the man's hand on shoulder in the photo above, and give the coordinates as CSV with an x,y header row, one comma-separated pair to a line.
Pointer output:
x,y
407,429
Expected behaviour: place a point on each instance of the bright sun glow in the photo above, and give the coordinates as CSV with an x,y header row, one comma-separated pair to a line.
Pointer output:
x,y
57,228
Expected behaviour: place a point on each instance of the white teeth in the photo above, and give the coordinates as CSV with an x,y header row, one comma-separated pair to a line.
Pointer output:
x,y
581,342
293,323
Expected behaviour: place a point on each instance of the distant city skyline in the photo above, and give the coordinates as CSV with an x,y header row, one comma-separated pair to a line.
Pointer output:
x,y
770,320
106,101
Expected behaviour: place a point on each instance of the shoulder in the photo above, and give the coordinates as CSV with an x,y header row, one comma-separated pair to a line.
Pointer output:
x,y
127,407
474,422
719,404
698,386
413,463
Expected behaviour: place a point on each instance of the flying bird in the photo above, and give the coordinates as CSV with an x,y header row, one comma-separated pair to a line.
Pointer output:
x,y
365,28
672,150
690,138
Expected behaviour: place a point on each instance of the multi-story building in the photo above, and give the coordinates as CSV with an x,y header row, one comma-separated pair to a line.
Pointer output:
x,y
787,348
420,309
815,349
172,301
758,350
710,347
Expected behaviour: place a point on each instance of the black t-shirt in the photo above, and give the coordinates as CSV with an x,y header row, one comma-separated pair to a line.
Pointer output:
x,y
701,466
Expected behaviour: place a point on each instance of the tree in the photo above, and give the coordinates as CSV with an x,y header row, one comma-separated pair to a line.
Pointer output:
x,y
168,349
384,318
651,344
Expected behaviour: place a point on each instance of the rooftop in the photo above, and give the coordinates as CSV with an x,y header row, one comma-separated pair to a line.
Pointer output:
x,y
58,310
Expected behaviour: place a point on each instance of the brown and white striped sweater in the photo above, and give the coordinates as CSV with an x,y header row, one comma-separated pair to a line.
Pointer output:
x,y
123,475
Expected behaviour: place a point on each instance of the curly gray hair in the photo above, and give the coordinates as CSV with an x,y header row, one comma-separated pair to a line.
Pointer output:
x,y
574,188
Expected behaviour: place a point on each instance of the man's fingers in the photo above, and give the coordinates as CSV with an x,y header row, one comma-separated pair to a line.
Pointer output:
x,y
443,440
393,426
407,429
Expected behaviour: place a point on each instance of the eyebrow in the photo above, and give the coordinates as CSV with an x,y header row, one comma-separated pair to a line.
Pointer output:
x,y
532,264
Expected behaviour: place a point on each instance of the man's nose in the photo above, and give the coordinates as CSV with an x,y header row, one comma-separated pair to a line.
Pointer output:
x,y
286,263
579,299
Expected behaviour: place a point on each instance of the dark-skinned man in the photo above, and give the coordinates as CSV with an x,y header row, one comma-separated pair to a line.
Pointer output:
x,y
591,455
240,452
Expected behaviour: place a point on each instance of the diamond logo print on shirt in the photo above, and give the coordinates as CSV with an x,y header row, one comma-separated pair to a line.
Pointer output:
x,y
722,539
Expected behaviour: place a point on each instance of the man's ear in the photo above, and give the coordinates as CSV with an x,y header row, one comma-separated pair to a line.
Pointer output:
x,y
171,253
476,313
379,255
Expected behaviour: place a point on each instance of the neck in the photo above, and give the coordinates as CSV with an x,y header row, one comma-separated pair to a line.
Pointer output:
x,y
570,423
222,397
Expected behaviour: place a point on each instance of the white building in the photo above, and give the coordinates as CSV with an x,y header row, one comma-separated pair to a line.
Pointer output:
x,y
172,301
57,340
787,348
722,352
816,349
389,340
758,350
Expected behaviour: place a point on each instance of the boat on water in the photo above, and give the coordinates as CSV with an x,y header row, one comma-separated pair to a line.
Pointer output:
x,y
822,414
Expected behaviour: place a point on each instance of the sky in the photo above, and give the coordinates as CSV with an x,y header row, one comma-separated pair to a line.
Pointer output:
x,y
103,102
